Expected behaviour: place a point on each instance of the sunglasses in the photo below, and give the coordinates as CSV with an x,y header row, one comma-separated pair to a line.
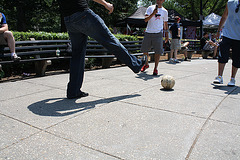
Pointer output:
x,y
237,9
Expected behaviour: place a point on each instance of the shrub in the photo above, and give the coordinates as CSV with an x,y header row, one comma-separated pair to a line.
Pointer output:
x,y
25,36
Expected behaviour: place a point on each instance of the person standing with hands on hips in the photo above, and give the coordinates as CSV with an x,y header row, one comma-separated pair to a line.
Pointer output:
x,y
231,39
82,22
157,17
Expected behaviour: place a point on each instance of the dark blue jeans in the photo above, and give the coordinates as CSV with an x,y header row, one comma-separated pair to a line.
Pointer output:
x,y
80,25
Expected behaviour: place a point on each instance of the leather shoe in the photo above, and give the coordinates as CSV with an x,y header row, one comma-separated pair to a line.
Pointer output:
x,y
82,94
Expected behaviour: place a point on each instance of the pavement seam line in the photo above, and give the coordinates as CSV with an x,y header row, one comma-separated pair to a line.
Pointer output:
x,y
234,124
40,130
185,114
83,145
26,95
204,125
45,130
52,87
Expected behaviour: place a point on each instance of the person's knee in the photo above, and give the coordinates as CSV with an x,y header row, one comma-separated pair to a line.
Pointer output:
x,y
8,34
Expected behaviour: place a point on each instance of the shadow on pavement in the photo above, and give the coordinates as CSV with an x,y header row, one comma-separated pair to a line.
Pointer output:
x,y
228,90
64,106
147,77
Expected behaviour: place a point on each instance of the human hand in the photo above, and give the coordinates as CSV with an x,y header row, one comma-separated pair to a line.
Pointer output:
x,y
155,11
109,7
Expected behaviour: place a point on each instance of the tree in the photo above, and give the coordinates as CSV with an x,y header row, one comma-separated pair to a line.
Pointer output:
x,y
191,8
122,9
24,15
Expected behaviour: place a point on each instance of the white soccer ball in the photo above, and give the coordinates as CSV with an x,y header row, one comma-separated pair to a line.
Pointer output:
x,y
167,82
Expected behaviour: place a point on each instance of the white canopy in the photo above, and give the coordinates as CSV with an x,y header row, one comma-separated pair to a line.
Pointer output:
x,y
211,21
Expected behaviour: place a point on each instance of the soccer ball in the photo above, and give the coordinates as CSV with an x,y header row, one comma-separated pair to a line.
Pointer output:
x,y
167,82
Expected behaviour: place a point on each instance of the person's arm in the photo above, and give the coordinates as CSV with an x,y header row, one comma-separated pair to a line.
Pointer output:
x,y
107,5
4,28
165,27
222,21
179,32
148,17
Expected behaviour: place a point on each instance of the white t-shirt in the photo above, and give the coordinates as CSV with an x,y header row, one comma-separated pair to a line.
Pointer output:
x,y
232,25
155,24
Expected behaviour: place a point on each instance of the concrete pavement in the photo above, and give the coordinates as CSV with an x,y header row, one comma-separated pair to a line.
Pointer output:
x,y
126,116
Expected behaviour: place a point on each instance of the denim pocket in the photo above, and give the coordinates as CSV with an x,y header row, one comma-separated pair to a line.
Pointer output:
x,y
79,17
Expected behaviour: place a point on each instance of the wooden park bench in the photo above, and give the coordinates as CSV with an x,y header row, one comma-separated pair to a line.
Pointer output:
x,y
42,52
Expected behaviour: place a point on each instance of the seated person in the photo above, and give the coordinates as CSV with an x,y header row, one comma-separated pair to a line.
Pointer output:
x,y
184,49
208,45
6,37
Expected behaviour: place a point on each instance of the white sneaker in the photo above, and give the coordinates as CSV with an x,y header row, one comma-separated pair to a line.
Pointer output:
x,y
218,80
176,61
171,60
15,57
232,82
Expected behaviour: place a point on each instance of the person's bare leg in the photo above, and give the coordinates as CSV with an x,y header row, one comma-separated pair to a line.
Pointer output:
x,y
185,53
171,54
221,68
147,58
10,40
157,58
234,72
175,53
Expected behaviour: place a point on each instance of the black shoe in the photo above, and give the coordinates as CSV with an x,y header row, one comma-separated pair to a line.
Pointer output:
x,y
186,59
216,57
82,94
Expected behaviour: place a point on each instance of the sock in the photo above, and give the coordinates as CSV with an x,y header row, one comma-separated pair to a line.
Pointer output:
x,y
12,54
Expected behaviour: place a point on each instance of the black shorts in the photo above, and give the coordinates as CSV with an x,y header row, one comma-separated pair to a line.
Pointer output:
x,y
224,53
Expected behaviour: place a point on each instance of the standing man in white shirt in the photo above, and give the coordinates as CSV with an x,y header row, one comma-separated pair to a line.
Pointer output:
x,y
157,17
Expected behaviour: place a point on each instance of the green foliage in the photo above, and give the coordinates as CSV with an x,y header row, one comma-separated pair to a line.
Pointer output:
x,y
49,2
123,37
25,36
44,15
34,15
122,9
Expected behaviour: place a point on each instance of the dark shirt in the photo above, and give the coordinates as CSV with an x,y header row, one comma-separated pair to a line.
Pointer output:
x,y
69,7
203,42
174,29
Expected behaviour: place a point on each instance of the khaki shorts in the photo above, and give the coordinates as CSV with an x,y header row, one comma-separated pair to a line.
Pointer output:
x,y
175,44
152,40
2,40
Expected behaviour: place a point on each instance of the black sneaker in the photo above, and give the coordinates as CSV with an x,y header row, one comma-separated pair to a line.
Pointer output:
x,y
82,94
